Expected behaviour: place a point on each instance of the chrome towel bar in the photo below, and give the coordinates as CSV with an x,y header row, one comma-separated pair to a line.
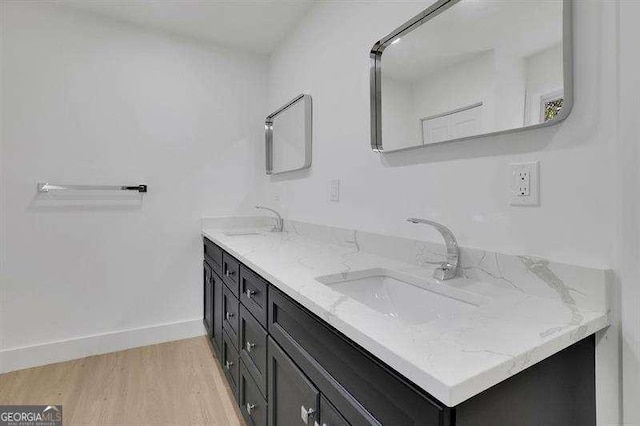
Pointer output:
x,y
46,187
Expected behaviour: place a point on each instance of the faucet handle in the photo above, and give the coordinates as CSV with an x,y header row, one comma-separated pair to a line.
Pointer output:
x,y
446,271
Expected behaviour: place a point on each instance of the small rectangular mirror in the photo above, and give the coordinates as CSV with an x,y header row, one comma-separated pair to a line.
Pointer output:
x,y
288,136
468,68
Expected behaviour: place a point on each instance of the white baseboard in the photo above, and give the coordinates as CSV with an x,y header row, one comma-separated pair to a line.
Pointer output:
x,y
65,350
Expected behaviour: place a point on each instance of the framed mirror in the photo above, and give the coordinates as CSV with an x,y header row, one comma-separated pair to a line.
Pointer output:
x,y
288,136
468,68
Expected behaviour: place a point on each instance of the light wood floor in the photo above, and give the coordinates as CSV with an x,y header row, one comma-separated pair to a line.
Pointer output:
x,y
176,383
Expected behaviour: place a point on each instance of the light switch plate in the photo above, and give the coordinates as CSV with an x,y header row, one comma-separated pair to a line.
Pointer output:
x,y
334,190
524,184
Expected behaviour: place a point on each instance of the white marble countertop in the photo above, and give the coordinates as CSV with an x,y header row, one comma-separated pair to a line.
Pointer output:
x,y
451,358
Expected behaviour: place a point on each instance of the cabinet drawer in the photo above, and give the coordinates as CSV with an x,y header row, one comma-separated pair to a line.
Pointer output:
x,y
252,404
253,294
329,415
361,387
231,320
230,363
293,399
253,348
213,255
231,272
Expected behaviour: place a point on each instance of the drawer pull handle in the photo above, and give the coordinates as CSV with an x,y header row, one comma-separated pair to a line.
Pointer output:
x,y
250,293
229,315
250,408
250,346
306,413
230,273
228,365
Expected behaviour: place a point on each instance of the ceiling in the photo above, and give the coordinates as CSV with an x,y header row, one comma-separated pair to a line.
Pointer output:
x,y
471,27
251,25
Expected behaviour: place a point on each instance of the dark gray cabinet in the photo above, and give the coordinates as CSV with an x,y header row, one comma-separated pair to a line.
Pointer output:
x,y
293,399
288,367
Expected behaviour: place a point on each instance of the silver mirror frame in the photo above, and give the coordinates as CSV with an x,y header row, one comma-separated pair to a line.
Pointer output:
x,y
308,123
375,72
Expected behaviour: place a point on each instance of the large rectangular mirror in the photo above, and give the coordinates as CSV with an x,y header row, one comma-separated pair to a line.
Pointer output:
x,y
288,136
467,68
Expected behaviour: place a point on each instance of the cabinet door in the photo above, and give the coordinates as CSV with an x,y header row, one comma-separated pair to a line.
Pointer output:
x,y
253,406
218,310
208,299
293,399
253,348
230,363
230,306
329,415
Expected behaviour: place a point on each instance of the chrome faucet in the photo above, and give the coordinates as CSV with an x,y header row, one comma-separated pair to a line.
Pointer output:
x,y
448,269
279,222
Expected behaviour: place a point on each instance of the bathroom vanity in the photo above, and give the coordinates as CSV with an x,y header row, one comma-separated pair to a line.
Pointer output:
x,y
296,351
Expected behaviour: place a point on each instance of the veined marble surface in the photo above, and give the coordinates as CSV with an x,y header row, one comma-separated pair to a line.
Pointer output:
x,y
534,308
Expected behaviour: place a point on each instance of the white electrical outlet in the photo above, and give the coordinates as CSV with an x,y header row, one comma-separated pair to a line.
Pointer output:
x,y
524,184
334,190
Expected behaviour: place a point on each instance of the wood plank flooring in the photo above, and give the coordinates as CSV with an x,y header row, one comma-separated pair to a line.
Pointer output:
x,y
177,383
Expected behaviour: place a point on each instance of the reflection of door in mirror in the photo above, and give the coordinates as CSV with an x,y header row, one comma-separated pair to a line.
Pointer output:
x,y
477,67
457,124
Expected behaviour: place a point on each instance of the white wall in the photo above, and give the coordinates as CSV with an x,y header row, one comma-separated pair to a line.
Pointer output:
x,y
628,173
401,125
87,100
510,88
463,184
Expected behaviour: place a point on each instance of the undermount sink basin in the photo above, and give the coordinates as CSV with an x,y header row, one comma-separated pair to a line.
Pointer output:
x,y
396,295
240,233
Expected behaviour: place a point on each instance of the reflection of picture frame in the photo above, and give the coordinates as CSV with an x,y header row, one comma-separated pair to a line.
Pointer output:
x,y
550,105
